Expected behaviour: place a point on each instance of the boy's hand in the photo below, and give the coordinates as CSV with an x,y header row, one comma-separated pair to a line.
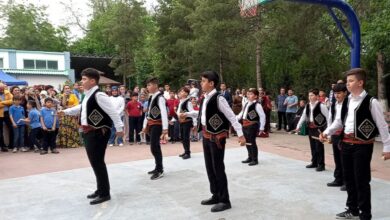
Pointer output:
x,y
14,125
386,155
44,128
242,140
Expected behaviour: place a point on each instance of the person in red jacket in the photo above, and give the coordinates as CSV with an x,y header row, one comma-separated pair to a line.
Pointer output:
x,y
172,104
134,110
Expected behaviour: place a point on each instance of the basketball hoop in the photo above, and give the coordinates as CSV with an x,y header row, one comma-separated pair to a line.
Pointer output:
x,y
248,8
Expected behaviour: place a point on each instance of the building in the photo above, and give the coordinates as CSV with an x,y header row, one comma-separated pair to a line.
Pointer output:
x,y
37,67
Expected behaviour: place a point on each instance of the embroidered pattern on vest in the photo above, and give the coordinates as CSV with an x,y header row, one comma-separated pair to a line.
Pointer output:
x,y
252,114
95,117
366,128
319,119
215,121
155,112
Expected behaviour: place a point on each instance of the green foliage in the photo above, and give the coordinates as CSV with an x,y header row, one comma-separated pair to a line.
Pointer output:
x,y
28,29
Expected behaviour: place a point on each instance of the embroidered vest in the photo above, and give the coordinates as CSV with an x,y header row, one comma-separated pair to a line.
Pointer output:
x,y
216,122
252,113
344,110
319,118
96,117
365,127
154,110
184,108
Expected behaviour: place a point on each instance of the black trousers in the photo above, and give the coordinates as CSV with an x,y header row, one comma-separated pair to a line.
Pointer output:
x,y
8,123
134,125
267,126
95,145
282,119
317,148
338,171
250,134
33,138
185,132
290,120
49,140
357,175
155,132
215,168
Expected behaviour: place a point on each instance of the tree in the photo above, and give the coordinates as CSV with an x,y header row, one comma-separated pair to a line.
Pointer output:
x,y
28,29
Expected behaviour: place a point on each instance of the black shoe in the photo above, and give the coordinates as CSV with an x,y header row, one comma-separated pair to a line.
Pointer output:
x,y
100,200
3,149
253,163
348,214
334,183
211,201
221,207
43,152
343,188
320,168
93,195
311,166
248,160
181,155
157,175
186,156
152,172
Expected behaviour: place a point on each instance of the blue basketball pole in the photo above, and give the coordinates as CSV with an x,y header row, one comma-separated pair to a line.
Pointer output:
x,y
354,41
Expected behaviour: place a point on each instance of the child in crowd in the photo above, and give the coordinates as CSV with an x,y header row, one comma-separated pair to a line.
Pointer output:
x,y
194,132
16,114
134,110
35,125
49,125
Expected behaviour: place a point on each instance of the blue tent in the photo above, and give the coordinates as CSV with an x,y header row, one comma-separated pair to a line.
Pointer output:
x,y
11,81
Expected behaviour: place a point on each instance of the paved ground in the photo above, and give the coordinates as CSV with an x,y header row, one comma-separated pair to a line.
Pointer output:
x,y
279,188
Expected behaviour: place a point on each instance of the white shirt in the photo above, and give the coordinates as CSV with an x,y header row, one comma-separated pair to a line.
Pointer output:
x,y
119,103
243,114
244,100
224,107
377,115
338,115
163,111
191,112
104,102
324,111
166,95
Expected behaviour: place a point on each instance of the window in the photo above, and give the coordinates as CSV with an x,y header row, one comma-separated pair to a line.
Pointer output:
x,y
1,63
40,64
52,65
29,64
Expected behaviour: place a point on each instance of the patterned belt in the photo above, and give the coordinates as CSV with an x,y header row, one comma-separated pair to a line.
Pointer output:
x,y
86,128
216,138
312,125
247,123
351,140
154,122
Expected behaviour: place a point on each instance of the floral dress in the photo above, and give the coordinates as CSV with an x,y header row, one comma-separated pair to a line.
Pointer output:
x,y
68,134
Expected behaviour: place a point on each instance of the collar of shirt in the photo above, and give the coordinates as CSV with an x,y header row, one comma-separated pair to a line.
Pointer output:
x,y
361,96
210,94
88,93
313,104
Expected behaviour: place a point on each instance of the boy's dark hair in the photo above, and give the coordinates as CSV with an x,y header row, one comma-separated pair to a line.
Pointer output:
x,y
152,80
185,89
48,100
92,74
314,91
32,103
134,94
17,98
211,76
254,91
359,73
340,87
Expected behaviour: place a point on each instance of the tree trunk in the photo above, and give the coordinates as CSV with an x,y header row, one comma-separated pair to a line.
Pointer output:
x,y
220,65
258,65
381,86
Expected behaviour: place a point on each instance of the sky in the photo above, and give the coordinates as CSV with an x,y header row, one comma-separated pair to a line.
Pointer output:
x,y
58,14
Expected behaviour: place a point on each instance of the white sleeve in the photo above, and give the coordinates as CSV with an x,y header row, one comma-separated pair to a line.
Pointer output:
x,y
105,103
302,119
75,110
377,115
229,114
260,111
163,112
191,112
324,111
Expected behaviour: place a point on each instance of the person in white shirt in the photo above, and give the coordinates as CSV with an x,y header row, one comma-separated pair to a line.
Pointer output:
x,y
253,118
364,121
185,114
215,117
316,117
119,103
156,124
167,89
97,117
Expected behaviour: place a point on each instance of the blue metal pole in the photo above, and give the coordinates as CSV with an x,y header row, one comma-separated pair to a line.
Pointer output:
x,y
353,20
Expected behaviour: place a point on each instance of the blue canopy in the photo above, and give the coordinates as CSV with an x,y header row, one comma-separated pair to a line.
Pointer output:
x,y
11,81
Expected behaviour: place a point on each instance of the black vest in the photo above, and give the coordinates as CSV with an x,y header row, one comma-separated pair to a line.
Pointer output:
x,y
96,117
184,108
319,118
154,110
216,122
252,113
365,127
344,110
